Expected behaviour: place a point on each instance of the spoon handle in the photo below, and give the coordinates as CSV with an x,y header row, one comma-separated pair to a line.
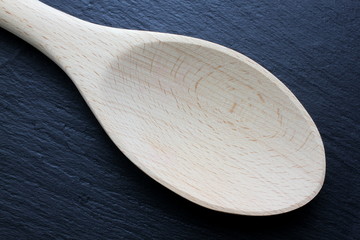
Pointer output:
x,y
40,25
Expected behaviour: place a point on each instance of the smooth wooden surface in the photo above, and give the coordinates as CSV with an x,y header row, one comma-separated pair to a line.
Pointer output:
x,y
205,121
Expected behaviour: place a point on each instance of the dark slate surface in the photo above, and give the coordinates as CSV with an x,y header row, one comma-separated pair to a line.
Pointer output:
x,y
62,178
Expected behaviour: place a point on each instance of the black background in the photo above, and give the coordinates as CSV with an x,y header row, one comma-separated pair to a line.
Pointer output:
x,y
62,178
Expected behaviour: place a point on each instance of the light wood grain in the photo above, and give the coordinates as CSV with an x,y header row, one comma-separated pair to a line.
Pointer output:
x,y
203,120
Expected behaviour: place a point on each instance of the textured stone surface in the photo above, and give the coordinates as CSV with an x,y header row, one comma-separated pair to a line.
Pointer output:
x,y
62,178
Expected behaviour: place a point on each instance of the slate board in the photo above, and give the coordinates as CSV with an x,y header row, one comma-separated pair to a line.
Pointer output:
x,y
62,178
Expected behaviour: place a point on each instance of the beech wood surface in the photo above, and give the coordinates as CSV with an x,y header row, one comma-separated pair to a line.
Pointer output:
x,y
203,120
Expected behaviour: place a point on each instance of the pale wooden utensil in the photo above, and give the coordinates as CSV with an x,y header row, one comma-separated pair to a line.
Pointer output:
x,y
203,120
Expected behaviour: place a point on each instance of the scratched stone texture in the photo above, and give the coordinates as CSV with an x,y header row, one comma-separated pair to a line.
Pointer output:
x,y
62,178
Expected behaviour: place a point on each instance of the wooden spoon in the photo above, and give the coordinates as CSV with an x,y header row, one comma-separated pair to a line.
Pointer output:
x,y
203,120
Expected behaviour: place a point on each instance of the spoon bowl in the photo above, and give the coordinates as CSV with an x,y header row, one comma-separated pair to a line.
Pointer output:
x,y
203,120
